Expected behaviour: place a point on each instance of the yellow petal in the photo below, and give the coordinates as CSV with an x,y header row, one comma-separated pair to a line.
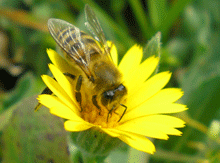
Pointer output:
x,y
110,132
136,141
131,61
76,126
149,109
167,95
149,88
58,108
165,120
113,52
167,129
151,127
142,73
140,143
58,90
155,126
63,82
59,61
139,128
162,119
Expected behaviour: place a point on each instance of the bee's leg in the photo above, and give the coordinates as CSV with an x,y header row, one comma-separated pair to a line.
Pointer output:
x,y
115,112
70,75
78,93
110,112
94,101
78,87
45,91
123,112
109,47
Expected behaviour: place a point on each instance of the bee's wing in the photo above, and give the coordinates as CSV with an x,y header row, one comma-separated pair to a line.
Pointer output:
x,y
68,37
95,28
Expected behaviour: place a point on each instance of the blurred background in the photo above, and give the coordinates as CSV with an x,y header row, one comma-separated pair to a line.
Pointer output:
x,y
190,49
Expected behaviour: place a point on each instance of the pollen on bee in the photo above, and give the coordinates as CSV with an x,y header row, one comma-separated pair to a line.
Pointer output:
x,y
101,118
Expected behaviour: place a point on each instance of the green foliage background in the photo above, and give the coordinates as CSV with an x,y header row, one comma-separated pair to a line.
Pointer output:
x,y
190,49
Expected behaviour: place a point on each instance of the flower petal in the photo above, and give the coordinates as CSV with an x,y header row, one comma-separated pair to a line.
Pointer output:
x,y
149,88
140,143
58,90
130,61
162,102
136,141
63,82
113,52
142,73
110,132
146,120
60,62
149,109
137,128
76,126
58,108
165,119
167,95
155,126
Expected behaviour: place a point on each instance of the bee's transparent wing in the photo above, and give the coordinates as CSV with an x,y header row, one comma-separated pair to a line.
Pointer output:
x,y
95,28
68,37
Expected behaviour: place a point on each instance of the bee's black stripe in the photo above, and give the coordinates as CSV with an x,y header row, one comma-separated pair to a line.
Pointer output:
x,y
67,32
79,83
68,39
78,97
90,41
78,93
70,75
85,40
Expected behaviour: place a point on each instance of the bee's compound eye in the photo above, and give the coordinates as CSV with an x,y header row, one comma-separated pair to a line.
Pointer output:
x,y
109,94
121,87
107,97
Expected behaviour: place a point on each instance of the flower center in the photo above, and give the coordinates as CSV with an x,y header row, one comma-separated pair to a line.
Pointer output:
x,y
104,118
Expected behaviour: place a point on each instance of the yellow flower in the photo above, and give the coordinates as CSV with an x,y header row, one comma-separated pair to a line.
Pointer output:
x,y
147,101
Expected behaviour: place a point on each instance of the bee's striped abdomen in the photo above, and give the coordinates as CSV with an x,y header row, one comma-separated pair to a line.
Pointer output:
x,y
73,42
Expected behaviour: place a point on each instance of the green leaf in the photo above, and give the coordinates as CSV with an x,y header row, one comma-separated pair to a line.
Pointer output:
x,y
157,11
153,47
5,117
34,136
203,104
108,21
141,18
172,16
23,89
213,136
206,104
200,83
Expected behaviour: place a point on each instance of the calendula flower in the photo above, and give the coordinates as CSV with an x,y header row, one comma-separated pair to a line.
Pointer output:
x,y
147,102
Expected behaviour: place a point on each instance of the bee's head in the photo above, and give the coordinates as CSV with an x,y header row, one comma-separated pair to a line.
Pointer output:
x,y
113,96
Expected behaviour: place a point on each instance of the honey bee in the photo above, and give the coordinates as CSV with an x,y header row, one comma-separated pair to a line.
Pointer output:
x,y
99,83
